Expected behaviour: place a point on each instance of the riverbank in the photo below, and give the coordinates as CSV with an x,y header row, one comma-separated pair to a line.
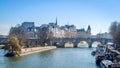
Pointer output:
x,y
27,51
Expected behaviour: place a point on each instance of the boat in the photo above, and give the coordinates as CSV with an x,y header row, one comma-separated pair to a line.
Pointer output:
x,y
109,64
99,58
93,53
100,54
106,64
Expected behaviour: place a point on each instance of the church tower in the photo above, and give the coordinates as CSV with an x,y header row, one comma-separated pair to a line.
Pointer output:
x,y
89,30
56,23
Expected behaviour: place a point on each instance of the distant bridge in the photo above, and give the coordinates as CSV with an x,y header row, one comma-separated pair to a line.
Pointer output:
x,y
3,41
75,41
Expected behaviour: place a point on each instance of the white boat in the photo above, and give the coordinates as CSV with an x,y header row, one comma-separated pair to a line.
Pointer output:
x,y
106,64
109,64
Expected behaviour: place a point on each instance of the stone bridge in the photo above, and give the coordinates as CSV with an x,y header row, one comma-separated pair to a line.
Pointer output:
x,y
3,40
63,41
75,41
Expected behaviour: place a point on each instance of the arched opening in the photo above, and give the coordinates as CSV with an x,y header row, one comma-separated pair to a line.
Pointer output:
x,y
68,44
82,44
58,44
95,43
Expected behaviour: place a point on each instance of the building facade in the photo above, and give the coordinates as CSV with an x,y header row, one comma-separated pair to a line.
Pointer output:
x,y
104,35
29,28
81,33
66,31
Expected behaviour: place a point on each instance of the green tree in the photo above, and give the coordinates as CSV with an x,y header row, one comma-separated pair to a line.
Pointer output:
x,y
12,46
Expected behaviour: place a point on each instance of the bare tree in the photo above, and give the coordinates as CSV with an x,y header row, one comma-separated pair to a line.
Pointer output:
x,y
20,34
50,37
42,34
113,29
115,32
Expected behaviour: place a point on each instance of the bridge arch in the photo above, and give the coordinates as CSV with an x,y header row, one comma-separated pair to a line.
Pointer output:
x,y
82,44
58,44
76,41
68,44
95,43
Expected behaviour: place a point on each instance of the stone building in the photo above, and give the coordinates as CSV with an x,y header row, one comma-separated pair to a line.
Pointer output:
x,y
69,31
104,35
29,27
81,33
66,31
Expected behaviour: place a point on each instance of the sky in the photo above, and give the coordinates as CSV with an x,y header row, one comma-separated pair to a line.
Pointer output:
x,y
99,14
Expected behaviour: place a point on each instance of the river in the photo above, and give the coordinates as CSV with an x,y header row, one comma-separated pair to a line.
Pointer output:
x,y
57,58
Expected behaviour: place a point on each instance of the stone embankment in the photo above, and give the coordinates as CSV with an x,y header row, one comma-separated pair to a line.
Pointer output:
x,y
27,51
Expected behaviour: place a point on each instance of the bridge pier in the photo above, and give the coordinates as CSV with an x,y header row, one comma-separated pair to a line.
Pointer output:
x,y
90,45
89,41
75,45
62,44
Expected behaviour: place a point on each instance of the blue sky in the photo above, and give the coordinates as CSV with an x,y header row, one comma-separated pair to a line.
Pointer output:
x,y
97,13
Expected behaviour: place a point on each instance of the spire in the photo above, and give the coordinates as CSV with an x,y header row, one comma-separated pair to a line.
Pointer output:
x,y
89,28
56,21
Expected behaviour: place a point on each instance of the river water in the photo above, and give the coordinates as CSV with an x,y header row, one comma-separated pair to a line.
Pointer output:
x,y
57,58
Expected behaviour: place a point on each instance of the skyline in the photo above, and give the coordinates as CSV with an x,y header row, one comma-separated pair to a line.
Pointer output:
x,y
98,14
